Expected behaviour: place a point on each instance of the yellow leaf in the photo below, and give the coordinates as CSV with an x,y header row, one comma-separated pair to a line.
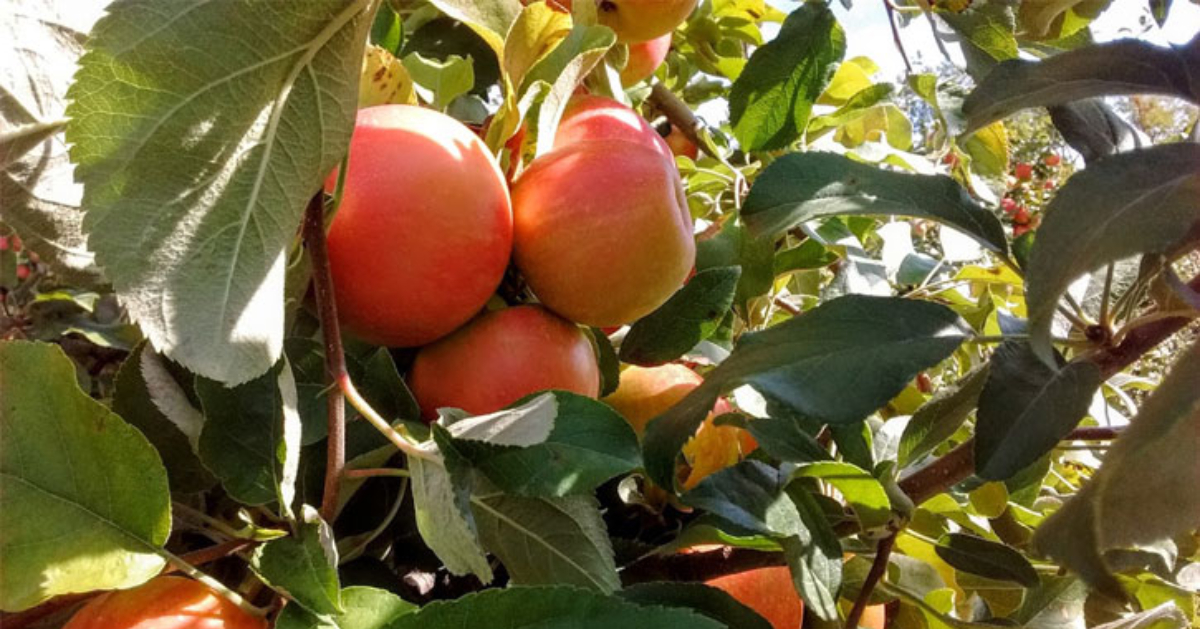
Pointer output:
x,y
851,77
384,80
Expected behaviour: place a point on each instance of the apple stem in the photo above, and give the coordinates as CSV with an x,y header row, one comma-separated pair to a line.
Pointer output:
x,y
220,588
397,435
335,359
878,568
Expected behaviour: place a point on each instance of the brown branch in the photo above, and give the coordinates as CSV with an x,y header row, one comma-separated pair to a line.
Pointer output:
x,y
698,566
891,15
878,568
335,360
680,116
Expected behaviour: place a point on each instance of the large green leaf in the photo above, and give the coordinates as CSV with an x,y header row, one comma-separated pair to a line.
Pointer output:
x,y
691,315
445,520
986,558
836,364
251,436
40,43
814,555
1026,407
749,495
546,541
1138,202
303,566
771,100
940,417
365,608
588,444
1146,490
491,19
1122,67
84,503
197,166
734,246
806,186
549,608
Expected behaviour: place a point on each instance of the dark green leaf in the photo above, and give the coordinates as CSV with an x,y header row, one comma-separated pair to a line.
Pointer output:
x,y
835,364
303,566
1122,67
386,391
941,416
814,556
206,162
1093,129
588,444
809,254
802,187
986,559
85,504
610,365
749,495
386,30
771,100
733,246
549,608
691,315
786,439
1026,407
863,492
366,608
1137,202
709,601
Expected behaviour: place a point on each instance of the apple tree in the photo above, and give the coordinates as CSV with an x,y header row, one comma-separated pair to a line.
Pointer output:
x,y
633,313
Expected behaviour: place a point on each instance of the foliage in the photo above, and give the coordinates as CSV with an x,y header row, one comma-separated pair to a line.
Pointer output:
x,y
921,308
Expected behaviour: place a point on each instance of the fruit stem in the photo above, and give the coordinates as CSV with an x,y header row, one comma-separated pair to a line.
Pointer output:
x,y
335,359
376,471
878,568
212,583
397,435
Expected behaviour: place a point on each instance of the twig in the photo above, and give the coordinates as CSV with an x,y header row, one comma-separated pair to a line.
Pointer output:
x,y
878,568
786,305
680,116
378,471
891,14
335,360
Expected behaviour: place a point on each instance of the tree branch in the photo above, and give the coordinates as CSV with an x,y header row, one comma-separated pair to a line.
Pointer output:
x,y
878,568
891,15
335,360
679,115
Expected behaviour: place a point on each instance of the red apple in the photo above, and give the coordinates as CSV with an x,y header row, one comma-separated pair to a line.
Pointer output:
x,y
424,232
644,59
602,231
163,603
589,118
767,591
501,357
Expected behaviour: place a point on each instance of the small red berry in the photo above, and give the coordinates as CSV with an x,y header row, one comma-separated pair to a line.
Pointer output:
x,y
3,243
1049,185
1024,171
924,384
22,271
1008,205
1021,216
1019,230
950,159
1052,159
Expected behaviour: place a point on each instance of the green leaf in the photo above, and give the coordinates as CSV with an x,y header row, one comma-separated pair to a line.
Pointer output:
x,y
445,520
750,496
365,608
707,600
303,567
785,439
562,70
1026,407
691,315
549,608
440,82
835,364
387,392
863,492
196,167
986,558
1137,202
588,443
734,246
490,19
1146,490
940,417
802,187
85,499
610,365
151,400
544,541
40,43
814,556
771,100
987,31
251,436
853,109
1117,68
1055,604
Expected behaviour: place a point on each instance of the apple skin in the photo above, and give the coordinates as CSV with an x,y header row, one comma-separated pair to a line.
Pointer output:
x,y
589,118
424,232
644,59
602,231
640,20
681,145
767,591
647,392
501,357
163,603
874,617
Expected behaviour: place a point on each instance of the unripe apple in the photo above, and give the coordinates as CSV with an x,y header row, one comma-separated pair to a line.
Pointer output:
x,y
424,231
163,603
767,591
602,231
644,59
647,392
501,357
641,20
589,118
681,145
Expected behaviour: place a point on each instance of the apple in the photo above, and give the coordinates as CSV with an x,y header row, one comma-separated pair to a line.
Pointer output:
x,y
873,617
424,231
647,392
501,357
681,145
602,231
589,118
644,59
163,603
768,591
642,20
